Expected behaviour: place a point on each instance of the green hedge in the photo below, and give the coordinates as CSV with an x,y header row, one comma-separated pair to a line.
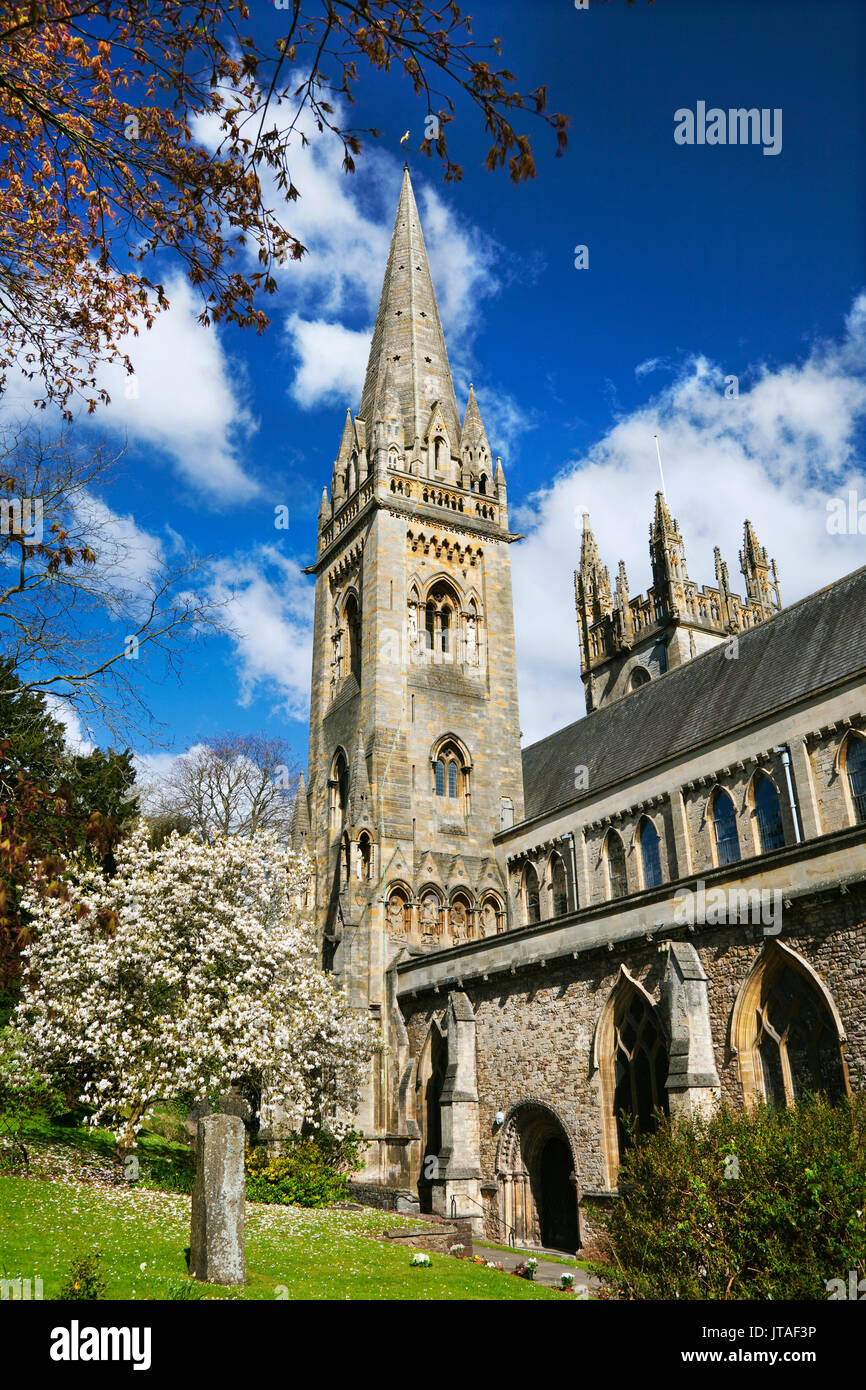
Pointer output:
x,y
769,1204
312,1171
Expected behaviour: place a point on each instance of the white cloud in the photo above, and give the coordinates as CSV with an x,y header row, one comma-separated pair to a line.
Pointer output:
x,y
332,361
270,607
126,556
183,398
774,455
77,741
346,221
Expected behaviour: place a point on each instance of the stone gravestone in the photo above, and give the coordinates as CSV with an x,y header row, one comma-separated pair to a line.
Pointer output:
x,y
218,1202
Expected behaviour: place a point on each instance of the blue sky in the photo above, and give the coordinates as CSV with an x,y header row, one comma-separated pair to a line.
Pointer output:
x,y
704,261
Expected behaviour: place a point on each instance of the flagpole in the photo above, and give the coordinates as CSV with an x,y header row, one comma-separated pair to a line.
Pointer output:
x,y
659,457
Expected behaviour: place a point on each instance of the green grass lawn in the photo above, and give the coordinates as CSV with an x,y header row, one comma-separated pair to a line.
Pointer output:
x,y
292,1252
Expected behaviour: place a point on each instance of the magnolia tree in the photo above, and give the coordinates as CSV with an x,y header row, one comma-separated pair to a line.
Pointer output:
x,y
187,970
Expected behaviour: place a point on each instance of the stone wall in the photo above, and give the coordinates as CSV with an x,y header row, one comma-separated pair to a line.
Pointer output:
x,y
536,1029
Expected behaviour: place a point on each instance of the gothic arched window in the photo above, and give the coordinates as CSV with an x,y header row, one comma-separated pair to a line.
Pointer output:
x,y
482,484
616,872
725,828
768,812
855,766
531,899
558,886
785,1033
451,774
353,630
338,790
640,1067
443,607
639,676
649,854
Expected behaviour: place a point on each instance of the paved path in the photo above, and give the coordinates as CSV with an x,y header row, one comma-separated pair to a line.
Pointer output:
x,y
548,1270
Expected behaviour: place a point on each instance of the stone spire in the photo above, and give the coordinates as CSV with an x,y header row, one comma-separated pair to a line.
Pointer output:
x,y
592,580
347,440
474,435
408,335
624,621
299,829
667,551
324,508
360,799
756,569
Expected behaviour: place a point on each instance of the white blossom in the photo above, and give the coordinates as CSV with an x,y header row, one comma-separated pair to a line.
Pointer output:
x,y
209,976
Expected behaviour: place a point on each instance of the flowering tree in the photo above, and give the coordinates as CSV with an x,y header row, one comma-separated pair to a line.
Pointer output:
x,y
186,971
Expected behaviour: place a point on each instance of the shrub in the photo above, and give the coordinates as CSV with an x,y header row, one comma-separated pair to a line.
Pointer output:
x,y
313,1170
84,1280
769,1204
24,1096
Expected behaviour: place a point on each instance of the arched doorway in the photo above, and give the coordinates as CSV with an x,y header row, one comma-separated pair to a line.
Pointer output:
x,y
431,1078
537,1180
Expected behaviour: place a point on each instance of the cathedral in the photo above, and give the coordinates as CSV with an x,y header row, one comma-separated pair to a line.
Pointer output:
x,y
660,905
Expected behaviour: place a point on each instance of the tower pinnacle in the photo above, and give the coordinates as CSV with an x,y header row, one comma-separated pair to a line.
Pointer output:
x,y
408,336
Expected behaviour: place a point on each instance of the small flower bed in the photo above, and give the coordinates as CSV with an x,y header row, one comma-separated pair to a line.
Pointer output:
x,y
421,1261
456,1250
526,1269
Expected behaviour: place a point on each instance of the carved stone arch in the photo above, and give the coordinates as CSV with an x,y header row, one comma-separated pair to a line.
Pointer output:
x,y
753,781
338,788
556,883
624,979
613,854
451,738
447,581
717,792
506,1134
855,799
649,867
749,1021
537,1173
841,756
768,832
492,922
610,1036
461,913
398,908
430,916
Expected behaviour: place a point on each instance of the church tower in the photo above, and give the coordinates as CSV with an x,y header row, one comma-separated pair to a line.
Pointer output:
x,y
414,759
626,642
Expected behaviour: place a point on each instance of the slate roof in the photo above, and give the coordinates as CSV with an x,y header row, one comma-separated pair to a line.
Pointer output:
x,y
800,651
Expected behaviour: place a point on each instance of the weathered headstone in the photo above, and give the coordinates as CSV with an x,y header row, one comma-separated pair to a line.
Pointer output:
x,y
218,1202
